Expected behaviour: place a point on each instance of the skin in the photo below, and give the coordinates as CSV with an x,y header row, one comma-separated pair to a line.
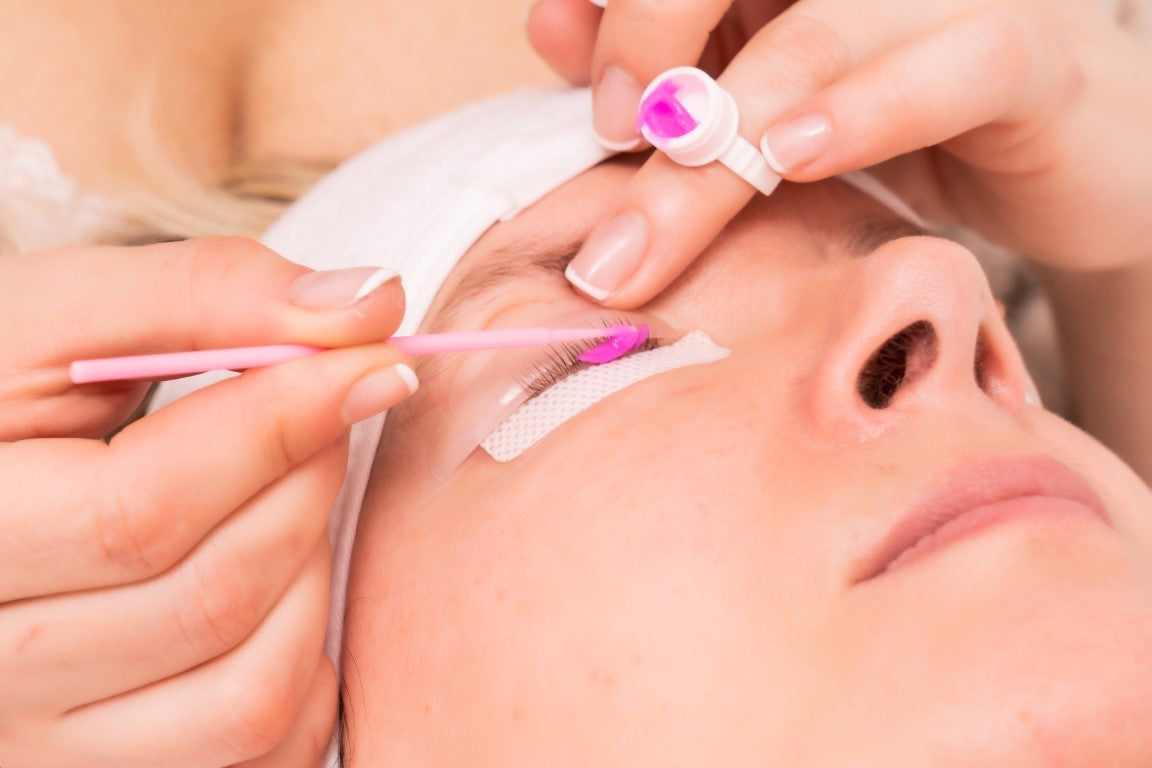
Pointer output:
x,y
668,579
302,81
129,604
133,628
986,108
285,81
1023,120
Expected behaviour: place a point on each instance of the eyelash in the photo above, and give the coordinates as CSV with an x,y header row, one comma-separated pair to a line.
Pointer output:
x,y
561,361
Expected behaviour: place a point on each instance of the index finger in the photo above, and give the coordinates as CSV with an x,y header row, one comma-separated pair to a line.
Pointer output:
x,y
193,294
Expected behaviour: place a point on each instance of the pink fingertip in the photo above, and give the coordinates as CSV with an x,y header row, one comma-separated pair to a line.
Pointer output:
x,y
663,114
625,339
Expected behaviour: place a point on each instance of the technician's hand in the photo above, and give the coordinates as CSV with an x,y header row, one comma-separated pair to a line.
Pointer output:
x,y
1035,114
163,596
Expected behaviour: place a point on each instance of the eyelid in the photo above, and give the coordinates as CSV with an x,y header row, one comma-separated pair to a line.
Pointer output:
x,y
562,361
484,388
535,420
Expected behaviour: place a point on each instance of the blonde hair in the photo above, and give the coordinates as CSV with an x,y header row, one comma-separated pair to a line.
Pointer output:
x,y
175,202
175,206
167,199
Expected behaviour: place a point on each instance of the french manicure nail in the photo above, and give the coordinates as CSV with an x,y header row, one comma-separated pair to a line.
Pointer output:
x,y
610,256
337,288
796,142
617,99
378,391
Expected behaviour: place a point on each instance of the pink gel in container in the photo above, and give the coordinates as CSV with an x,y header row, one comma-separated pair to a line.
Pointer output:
x,y
663,114
687,115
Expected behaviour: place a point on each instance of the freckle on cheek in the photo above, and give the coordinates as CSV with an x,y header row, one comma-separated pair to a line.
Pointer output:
x,y
603,680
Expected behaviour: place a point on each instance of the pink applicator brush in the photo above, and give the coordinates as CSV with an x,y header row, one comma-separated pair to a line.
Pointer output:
x,y
619,340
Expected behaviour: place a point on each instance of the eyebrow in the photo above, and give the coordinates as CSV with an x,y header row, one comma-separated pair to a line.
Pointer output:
x,y
548,261
867,234
511,262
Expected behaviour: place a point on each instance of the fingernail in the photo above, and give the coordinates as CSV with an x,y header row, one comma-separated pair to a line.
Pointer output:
x,y
617,99
610,256
338,287
378,391
796,142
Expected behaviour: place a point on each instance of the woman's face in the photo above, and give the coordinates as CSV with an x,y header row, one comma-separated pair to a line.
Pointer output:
x,y
719,565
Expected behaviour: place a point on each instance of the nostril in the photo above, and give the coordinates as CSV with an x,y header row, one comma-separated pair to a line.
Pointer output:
x,y
903,358
980,362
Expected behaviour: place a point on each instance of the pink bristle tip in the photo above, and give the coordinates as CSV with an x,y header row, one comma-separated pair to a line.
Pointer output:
x,y
621,340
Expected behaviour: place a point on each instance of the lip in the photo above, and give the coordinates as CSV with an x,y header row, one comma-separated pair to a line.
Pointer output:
x,y
975,496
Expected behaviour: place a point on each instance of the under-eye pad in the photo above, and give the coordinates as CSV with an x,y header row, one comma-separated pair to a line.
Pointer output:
x,y
538,417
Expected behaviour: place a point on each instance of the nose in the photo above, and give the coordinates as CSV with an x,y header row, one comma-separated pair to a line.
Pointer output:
x,y
921,332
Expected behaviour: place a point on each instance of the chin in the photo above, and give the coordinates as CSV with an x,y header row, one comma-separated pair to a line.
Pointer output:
x,y
1043,662
1082,698
1090,722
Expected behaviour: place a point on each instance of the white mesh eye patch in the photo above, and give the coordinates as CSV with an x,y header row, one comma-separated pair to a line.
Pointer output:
x,y
538,417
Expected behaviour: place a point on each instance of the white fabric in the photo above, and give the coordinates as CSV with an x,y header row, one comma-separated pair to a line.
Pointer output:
x,y
415,203
534,420
42,207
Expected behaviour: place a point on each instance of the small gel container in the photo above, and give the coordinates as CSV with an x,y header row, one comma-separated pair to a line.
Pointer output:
x,y
688,116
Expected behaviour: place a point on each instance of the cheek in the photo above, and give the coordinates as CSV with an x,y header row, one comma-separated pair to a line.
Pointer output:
x,y
764,268
1127,497
640,594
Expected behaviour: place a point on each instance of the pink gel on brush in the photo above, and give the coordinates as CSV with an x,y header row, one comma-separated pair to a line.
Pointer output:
x,y
663,113
623,341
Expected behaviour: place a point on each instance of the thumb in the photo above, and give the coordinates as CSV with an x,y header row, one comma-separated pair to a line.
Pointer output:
x,y
563,32
637,40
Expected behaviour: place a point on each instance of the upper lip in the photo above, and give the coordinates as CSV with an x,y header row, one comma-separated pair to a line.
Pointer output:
x,y
975,484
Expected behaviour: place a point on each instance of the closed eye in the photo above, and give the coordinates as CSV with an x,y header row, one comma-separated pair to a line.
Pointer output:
x,y
562,360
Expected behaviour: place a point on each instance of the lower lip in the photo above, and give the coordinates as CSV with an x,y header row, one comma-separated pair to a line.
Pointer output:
x,y
1046,510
